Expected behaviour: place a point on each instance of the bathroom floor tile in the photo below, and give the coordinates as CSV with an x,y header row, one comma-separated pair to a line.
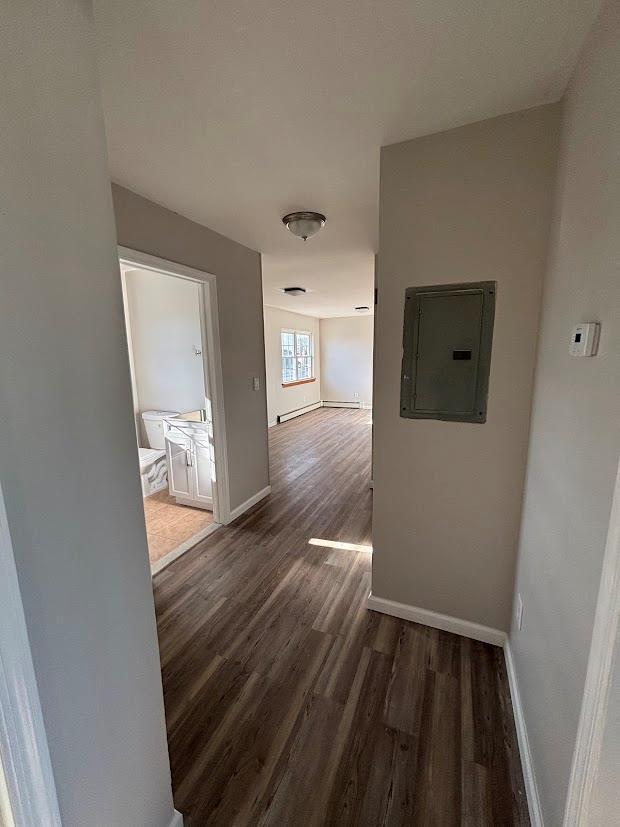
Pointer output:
x,y
186,525
169,524
158,546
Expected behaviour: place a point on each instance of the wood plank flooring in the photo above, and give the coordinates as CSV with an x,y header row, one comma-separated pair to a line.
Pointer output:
x,y
288,702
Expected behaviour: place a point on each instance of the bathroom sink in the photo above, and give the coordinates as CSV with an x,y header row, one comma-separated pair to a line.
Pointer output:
x,y
193,416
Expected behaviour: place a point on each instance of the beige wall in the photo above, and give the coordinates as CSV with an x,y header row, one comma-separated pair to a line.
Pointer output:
x,y
165,330
465,205
68,460
346,359
575,421
145,226
284,400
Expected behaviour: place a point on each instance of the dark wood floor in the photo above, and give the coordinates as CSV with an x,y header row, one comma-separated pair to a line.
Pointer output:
x,y
288,702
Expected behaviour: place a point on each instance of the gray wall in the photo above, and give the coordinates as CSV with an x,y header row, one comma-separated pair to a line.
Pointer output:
x,y
67,443
145,226
575,421
346,357
465,205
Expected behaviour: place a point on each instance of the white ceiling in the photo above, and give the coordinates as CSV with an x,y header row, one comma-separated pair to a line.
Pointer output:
x,y
234,113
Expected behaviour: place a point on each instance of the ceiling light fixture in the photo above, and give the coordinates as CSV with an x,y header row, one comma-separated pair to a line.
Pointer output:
x,y
304,224
294,291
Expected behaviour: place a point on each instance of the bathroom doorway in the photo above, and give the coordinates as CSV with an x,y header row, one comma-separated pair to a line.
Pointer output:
x,y
173,343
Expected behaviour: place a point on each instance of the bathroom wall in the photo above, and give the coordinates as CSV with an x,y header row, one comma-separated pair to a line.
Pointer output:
x,y
165,329
284,400
346,357
67,443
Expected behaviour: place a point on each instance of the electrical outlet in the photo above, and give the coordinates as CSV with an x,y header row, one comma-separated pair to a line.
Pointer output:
x,y
519,612
256,383
356,396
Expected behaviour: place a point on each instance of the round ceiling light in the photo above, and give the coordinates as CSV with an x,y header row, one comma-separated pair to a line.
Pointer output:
x,y
304,224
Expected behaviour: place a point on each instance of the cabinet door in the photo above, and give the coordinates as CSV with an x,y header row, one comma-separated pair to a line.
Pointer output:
x,y
180,466
203,484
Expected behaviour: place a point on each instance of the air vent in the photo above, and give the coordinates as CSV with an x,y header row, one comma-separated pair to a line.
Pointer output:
x,y
294,291
362,309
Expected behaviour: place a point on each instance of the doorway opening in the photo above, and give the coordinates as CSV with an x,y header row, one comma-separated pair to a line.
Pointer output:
x,y
173,344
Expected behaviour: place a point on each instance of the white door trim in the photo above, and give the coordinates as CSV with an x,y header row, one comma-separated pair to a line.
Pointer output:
x,y
23,741
593,715
212,364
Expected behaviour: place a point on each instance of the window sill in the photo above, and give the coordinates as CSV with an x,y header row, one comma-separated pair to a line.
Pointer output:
x,y
298,382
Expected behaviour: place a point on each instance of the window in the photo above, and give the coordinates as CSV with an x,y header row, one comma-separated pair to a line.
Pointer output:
x,y
297,357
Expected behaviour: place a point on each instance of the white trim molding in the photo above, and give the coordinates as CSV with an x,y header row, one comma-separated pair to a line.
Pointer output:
x,y
177,819
527,765
23,741
466,628
593,717
256,498
171,556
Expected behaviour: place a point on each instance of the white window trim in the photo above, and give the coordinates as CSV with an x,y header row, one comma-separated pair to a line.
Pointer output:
x,y
296,381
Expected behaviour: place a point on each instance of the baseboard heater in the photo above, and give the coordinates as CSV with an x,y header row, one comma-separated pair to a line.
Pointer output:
x,y
331,404
327,404
298,412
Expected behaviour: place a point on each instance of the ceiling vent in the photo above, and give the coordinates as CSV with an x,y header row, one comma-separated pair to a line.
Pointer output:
x,y
294,291
362,309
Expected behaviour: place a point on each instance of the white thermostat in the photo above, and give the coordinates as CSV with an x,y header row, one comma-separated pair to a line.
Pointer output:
x,y
584,341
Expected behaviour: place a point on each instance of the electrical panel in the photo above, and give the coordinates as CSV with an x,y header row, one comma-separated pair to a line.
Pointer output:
x,y
447,340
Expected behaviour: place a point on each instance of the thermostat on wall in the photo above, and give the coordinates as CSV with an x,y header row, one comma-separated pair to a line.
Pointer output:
x,y
584,341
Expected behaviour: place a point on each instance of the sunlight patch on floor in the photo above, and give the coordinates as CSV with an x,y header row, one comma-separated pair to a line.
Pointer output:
x,y
314,541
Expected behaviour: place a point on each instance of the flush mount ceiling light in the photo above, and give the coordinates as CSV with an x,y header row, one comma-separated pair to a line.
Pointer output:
x,y
362,309
294,291
304,224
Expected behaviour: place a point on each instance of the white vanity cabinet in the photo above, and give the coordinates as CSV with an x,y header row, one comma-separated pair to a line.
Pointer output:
x,y
189,456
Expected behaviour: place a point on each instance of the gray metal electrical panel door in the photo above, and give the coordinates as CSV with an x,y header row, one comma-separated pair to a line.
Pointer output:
x,y
447,338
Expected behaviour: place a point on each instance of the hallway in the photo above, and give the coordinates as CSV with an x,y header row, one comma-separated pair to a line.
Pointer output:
x,y
288,702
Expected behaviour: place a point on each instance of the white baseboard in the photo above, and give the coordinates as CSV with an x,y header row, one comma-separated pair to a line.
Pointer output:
x,y
241,509
185,546
272,424
531,788
299,412
438,621
177,819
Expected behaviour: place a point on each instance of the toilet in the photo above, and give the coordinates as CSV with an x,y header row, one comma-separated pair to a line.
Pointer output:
x,y
153,469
